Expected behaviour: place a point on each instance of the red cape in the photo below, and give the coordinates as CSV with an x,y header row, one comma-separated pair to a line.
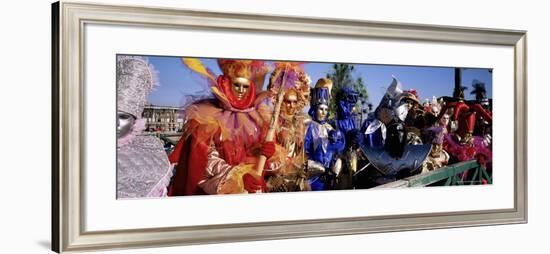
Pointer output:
x,y
190,154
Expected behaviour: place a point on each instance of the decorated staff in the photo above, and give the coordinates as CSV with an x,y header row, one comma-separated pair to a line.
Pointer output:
x,y
274,120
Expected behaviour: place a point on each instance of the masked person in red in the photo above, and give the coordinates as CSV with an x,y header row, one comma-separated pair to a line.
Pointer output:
x,y
223,136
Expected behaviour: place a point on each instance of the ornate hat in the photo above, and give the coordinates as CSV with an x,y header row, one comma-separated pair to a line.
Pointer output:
x,y
319,95
434,135
234,69
410,95
466,123
135,80
348,95
324,82
390,102
242,69
238,71
392,95
295,79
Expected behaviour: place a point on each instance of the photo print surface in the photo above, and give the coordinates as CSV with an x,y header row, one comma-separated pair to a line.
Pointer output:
x,y
203,126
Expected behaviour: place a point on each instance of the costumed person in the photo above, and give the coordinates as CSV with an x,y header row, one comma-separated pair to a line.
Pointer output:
x,y
461,144
414,122
374,131
290,175
438,157
322,143
143,169
374,128
431,113
466,115
483,128
396,159
223,137
427,106
347,122
442,119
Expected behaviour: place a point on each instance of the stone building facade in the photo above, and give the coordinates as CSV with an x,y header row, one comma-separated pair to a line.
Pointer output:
x,y
164,119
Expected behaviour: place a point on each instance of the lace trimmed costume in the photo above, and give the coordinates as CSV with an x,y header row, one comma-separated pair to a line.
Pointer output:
x,y
143,169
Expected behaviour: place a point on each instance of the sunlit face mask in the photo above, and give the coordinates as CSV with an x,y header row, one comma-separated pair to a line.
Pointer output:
x,y
124,123
445,120
321,112
240,88
290,103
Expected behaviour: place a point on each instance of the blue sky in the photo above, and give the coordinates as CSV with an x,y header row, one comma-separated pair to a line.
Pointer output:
x,y
176,81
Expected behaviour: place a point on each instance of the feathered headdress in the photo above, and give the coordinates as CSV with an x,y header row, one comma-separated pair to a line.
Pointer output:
x,y
253,70
234,71
235,68
434,135
196,65
295,79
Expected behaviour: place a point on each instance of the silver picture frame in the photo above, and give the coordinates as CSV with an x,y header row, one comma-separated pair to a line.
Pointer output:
x,y
68,95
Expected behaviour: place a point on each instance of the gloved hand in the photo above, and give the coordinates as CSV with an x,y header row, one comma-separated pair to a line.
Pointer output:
x,y
268,149
337,167
314,168
335,136
253,184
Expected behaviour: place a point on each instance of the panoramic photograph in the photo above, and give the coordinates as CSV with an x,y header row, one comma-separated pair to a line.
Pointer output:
x,y
203,126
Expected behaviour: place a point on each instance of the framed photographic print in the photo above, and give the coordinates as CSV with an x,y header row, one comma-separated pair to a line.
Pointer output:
x,y
174,127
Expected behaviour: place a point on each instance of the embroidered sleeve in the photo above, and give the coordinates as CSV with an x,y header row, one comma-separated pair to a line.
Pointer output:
x,y
216,171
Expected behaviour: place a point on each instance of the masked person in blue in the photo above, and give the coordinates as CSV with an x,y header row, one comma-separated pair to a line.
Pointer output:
x,y
347,122
322,143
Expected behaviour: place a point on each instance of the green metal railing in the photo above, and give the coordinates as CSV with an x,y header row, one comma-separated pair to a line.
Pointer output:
x,y
452,174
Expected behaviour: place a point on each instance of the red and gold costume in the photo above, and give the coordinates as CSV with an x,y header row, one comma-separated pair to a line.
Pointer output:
x,y
223,136
462,145
466,115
